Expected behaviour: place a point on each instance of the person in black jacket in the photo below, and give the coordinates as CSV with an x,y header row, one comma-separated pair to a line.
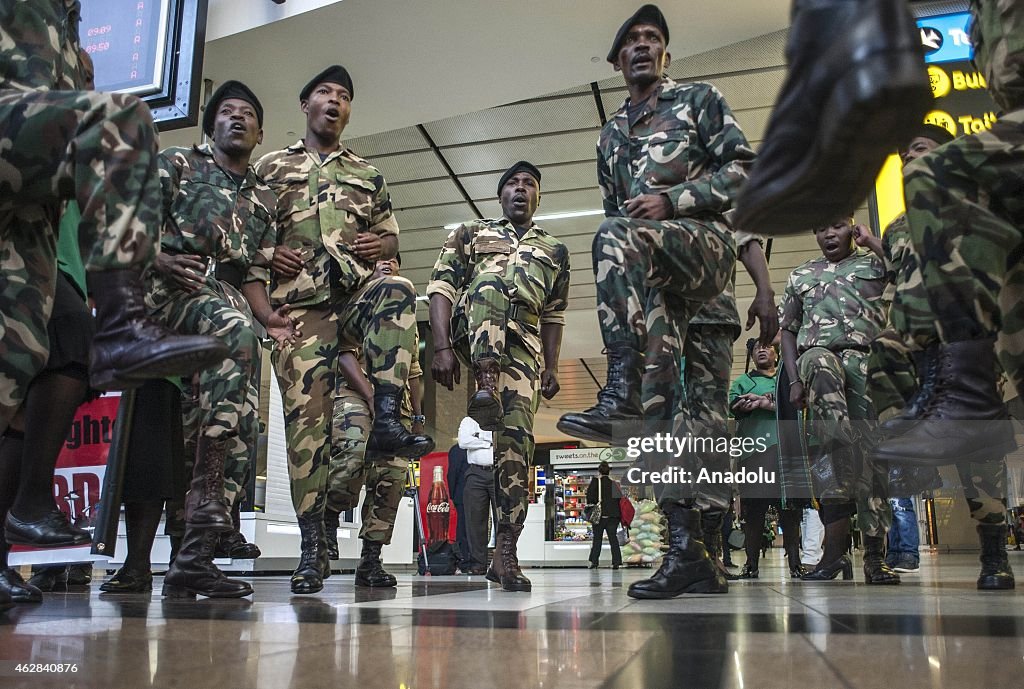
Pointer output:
x,y
457,466
606,491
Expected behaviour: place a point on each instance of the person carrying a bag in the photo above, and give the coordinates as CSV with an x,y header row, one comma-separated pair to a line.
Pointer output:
x,y
603,512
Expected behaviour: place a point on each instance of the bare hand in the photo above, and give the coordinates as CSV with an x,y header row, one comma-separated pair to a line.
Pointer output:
x,y
287,262
796,395
282,327
650,207
368,246
549,386
863,237
445,369
763,309
187,271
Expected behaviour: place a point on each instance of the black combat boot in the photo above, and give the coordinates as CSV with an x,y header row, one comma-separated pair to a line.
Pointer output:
x,y
193,573
964,419
711,524
996,574
388,437
5,601
206,506
834,474
331,522
876,571
504,567
313,567
686,567
485,405
370,570
19,591
232,544
129,347
853,67
618,400
926,369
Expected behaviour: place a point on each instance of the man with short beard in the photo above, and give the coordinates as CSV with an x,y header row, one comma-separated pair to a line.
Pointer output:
x,y
335,222
219,233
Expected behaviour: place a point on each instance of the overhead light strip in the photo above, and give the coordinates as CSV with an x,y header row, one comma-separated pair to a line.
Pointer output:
x,y
550,216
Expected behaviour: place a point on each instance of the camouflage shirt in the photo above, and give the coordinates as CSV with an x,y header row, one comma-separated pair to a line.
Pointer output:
x,y
208,214
689,147
322,206
534,269
896,246
39,45
835,305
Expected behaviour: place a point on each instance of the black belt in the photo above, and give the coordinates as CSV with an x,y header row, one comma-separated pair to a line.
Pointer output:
x,y
231,274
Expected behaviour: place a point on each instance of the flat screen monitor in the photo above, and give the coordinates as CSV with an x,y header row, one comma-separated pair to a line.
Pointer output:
x,y
152,49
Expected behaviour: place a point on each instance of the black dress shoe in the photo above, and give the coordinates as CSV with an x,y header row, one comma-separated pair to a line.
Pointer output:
x,y
14,586
748,572
830,571
50,579
853,67
129,581
51,531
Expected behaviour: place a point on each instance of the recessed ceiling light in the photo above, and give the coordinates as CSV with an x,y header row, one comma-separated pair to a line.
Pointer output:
x,y
595,59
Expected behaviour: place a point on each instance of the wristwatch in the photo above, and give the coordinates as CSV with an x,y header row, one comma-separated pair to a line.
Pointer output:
x,y
419,418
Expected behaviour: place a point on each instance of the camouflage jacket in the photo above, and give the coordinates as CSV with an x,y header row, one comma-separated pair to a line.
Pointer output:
x,y
835,305
322,206
208,214
534,271
688,147
39,45
997,34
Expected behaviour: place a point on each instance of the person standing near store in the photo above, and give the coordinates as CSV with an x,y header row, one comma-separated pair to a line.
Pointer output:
x,y
605,492
670,162
335,222
507,282
478,494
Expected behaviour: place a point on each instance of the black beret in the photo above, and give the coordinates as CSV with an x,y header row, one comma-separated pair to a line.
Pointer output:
x,y
521,166
935,132
230,89
648,14
335,74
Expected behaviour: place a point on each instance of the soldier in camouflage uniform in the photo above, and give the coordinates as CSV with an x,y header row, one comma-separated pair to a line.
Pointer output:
x,y
351,467
670,162
831,312
334,222
219,235
898,362
44,115
508,283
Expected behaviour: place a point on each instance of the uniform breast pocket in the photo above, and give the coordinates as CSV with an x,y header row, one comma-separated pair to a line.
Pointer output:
x,y
256,226
541,268
491,256
668,157
353,203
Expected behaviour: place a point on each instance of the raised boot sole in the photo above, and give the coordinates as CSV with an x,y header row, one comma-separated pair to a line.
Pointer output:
x,y
710,585
578,430
189,592
838,171
183,361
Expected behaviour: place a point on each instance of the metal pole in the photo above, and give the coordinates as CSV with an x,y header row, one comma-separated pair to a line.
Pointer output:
x,y
104,536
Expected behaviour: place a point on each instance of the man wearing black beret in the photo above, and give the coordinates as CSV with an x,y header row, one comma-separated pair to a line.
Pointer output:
x,y
507,282
334,223
210,279
670,162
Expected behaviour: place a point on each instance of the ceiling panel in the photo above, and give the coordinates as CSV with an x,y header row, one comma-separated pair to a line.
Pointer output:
x,y
528,118
539,150
384,143
425,193
553,178
554,202
406,167
433,216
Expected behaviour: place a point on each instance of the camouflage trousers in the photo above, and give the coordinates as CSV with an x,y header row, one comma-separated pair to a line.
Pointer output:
x,y
518,386
697,397
349,471
58,145
381,318
684,258
835,385
966,222
228,402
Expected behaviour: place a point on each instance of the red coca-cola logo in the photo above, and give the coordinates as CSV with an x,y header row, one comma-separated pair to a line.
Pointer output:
x,y
439,507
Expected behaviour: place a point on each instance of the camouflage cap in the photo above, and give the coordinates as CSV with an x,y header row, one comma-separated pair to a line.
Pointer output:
x,y
521,166
335,74
230,89
648,14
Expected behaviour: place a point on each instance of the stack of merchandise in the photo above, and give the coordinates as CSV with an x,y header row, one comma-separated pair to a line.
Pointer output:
x,y
646,535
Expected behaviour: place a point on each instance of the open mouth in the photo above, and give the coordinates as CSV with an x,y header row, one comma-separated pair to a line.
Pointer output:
x,y
332,114
238,128
643,61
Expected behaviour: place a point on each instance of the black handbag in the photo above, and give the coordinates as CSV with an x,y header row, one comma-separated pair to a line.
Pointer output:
x,y
592,513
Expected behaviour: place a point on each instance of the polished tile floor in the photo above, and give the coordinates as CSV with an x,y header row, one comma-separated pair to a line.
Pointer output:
x,y
576,629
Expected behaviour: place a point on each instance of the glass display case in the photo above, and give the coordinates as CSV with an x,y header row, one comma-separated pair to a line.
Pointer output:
x,y
570,498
